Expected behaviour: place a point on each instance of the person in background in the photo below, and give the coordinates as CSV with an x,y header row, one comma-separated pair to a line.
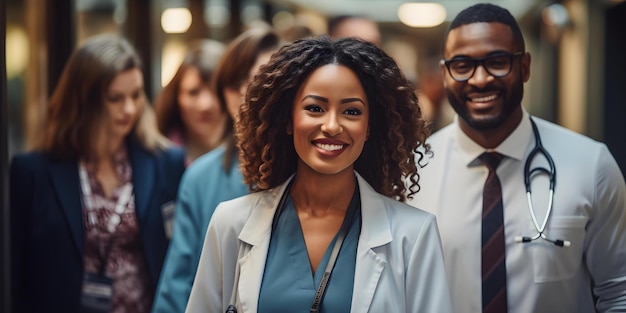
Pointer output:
x,y
86,207
326,135
546,231
214,177
187,109
432,94
295,32
343,26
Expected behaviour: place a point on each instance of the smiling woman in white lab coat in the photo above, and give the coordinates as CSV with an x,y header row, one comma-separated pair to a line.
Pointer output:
x,y
327,136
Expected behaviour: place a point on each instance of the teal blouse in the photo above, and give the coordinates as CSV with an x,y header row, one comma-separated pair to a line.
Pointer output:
x,y
289,284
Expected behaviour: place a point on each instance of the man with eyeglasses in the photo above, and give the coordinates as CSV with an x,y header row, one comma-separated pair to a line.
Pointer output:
x,y
559,248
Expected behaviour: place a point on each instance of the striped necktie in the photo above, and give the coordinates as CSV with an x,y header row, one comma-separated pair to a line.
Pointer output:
x,y
493,251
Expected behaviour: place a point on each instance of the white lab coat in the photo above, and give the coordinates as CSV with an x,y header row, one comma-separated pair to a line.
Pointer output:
x,y
399,266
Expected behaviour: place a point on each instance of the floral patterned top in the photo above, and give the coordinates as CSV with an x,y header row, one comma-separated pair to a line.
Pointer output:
x,y
116,248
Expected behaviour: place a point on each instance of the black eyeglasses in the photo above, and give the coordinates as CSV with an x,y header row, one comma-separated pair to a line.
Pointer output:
x,y
497,65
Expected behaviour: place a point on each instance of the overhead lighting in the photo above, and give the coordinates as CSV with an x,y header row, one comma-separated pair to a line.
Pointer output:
x,y
16,51
555,15
422,14
176,20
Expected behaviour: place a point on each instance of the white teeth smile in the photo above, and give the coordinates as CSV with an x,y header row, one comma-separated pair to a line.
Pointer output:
x,y
329,147
485,99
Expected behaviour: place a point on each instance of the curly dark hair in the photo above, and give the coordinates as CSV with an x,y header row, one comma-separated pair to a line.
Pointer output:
x,y
267,154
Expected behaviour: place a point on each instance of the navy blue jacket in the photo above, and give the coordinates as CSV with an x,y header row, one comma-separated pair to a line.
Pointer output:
x,y
47,232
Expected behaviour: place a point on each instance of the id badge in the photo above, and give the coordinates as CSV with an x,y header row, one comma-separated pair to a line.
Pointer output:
x,y
167,210
97,295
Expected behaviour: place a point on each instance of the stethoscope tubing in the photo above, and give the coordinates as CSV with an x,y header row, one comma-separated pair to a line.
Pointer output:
x,y
528,174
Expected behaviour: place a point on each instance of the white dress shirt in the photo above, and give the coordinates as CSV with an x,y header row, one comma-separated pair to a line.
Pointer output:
x,y
589,210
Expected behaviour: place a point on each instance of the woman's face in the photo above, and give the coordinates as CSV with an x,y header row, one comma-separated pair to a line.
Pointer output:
x,y
199,108
330,120
124,103
234,98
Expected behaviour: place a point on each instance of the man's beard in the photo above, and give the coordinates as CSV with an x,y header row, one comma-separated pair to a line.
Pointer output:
x,y
511,101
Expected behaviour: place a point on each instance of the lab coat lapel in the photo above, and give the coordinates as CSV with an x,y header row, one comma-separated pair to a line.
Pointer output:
x,y
66,182
375,232
256,233
142,164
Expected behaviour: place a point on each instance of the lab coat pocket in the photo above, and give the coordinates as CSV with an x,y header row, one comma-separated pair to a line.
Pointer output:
x,y
553,263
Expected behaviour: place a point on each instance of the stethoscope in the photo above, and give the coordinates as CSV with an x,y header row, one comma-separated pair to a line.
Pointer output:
x,y
528,174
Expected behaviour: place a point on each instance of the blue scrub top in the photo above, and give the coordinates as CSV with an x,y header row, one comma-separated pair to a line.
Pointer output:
x,y
288,282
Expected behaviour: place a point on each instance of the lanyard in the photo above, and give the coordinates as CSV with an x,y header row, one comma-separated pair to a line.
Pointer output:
x,y
114,220
353,209
120,206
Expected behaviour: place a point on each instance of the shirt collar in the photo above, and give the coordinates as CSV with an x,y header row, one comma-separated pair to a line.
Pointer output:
x,y
514,146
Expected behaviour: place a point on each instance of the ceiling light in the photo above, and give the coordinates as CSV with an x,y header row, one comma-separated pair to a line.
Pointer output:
x,y
422,14
176,20
555,15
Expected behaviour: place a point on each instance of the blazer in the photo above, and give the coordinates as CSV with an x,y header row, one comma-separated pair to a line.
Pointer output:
x,y
399,263
47,230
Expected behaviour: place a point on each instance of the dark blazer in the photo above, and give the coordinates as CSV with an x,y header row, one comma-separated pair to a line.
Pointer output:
x,y
47,232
